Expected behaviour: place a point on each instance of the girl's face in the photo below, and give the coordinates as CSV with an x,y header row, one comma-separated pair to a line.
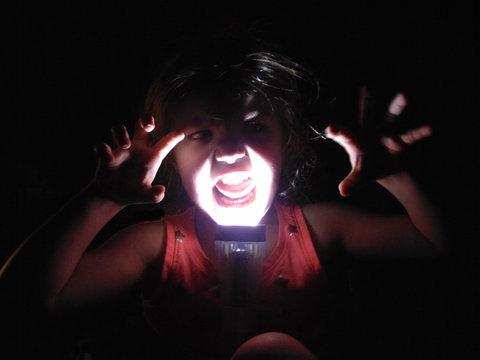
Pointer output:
x,y
230,159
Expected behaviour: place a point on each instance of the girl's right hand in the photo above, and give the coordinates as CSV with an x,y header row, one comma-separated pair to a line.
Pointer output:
x,y
127,169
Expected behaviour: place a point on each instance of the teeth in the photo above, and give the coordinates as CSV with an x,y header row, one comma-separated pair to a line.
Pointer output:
x,y
234,178
235,185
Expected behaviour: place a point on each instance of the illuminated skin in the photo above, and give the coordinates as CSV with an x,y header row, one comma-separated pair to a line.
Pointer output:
x,y
229,164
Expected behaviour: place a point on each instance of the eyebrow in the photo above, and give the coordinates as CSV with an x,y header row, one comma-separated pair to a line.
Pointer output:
x,y
202,118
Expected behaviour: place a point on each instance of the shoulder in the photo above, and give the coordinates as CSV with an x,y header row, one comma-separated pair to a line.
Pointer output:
x,y
321,213
146,239
327,221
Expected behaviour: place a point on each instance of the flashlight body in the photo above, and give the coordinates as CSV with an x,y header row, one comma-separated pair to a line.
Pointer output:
x,y
240,252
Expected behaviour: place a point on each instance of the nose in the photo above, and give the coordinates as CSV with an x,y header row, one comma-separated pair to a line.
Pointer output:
x,y
230,153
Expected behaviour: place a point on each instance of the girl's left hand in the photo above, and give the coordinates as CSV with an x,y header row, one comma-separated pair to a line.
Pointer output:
x,y
372,159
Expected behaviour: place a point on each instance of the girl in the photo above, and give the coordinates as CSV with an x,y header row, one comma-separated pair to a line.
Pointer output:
x,y
228,122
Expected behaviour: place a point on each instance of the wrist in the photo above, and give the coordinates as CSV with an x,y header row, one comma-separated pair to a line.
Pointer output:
x,y
400,184
401,176
96,196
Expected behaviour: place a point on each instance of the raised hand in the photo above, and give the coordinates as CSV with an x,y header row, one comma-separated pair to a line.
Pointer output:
x,y
126,169
374,157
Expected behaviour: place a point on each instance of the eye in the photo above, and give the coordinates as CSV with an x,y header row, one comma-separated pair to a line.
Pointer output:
x,y
254,127
201,135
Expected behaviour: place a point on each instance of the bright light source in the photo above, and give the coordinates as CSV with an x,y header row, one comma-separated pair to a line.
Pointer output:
x,y
237,198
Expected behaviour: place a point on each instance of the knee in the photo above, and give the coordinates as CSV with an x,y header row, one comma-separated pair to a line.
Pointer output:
x,y
273,346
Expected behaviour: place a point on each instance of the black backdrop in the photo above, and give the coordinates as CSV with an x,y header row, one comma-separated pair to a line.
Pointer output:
x,y
74,69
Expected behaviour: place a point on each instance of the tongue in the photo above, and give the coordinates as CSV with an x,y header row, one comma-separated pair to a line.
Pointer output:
x,y
235,191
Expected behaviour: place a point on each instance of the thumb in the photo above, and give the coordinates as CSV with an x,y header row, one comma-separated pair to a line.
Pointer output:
x,y
154,195
348,185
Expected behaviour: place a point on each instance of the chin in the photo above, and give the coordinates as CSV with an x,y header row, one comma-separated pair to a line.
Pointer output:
x,y
247,212
238,218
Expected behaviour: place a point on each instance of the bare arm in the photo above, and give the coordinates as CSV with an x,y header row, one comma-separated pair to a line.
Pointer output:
x,y
54,262
67,236
113,268
366,234
421,212
419,232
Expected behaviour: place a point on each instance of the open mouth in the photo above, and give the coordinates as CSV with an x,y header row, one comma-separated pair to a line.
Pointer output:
x,y
235,189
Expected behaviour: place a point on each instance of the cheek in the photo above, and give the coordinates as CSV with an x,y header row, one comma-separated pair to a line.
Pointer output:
x,y
190,166
271,153
271,148
184,166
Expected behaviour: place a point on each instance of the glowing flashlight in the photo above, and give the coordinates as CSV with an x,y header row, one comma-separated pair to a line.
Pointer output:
x,y
240,251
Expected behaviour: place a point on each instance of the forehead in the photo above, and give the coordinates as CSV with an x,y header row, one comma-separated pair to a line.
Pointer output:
x,y
219,107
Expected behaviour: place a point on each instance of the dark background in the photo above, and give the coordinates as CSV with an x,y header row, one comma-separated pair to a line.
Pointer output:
x,y
73,69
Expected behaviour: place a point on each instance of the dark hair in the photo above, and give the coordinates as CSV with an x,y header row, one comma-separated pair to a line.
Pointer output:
x,y
239,67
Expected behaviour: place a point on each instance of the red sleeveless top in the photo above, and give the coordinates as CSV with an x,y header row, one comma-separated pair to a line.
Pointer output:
x,y
186,309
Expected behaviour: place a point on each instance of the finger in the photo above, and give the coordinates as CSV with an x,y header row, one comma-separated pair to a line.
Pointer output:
x,y
348,185
120,136
393,146
354,152
154,195
417,134
396,107
147,122
343,137
396,145
105,153
167,143
145,125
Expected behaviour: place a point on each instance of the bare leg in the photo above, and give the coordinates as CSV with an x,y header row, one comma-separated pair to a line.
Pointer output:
x,y
273,346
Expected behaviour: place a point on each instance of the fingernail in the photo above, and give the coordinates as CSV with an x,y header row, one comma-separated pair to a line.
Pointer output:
x,y
392,146
146,120
398,104
148,127
149,120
